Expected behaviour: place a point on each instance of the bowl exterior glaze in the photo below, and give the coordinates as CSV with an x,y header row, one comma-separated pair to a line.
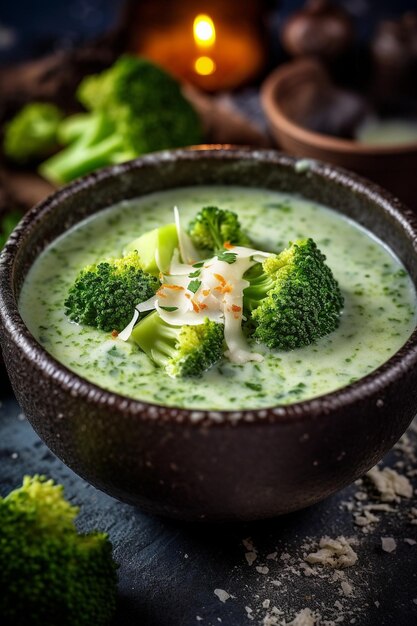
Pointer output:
x,y
200,465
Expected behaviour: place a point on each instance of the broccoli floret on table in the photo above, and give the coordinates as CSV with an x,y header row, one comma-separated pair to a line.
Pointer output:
x,y
213,227
184,351
105,295
32,134
134,107
293,298
50,574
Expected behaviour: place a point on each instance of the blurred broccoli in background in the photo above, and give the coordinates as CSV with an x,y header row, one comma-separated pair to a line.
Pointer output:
x,y
50,575
7,224
134,107
32,133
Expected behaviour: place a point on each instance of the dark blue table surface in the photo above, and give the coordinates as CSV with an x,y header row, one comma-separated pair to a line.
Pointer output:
x,y
170,570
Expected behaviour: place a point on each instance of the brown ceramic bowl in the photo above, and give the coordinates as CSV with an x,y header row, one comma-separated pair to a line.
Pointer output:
x,y
290,97
201,465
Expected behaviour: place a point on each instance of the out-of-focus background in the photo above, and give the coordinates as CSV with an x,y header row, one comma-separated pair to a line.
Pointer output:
x,y
335,81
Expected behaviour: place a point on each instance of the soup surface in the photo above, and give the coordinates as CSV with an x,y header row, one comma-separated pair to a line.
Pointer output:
x,y
379,314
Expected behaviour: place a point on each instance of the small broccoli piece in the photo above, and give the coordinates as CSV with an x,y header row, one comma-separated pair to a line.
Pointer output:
x,y
50,574
105,295
184,351
213,227
32,133
7,224
142,110
293,298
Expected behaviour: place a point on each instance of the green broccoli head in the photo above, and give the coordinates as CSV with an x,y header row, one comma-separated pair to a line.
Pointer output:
x,y
213,227
32,133
293,298
142,109
105,295
50,574
7,224
184,351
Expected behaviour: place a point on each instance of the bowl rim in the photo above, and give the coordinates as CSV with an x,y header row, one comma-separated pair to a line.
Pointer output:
x,y
70,382
320,141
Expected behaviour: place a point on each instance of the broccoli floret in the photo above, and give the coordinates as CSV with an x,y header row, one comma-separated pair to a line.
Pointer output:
x,y
142,110
213,227
184,351
50,574
105,295
32,133
7,224
293,298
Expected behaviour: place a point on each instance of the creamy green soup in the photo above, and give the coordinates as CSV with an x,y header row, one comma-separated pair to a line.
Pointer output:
x,y
379,313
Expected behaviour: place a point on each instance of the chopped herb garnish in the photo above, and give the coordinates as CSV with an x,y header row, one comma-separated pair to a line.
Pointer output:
x,y
227,257
199,264
169,308
194,285
195,274
254,386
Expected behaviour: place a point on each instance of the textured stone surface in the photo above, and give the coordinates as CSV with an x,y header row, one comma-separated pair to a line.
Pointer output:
x,y
169,570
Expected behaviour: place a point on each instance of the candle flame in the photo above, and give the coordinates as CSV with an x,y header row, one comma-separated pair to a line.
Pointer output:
x,y
204,31
204,66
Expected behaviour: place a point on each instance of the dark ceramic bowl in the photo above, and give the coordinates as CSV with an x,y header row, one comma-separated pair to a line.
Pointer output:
x,y
202,465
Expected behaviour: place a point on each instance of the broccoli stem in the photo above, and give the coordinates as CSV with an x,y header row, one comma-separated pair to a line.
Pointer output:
x,y
74,128
80,159
96,148
156,338
260,284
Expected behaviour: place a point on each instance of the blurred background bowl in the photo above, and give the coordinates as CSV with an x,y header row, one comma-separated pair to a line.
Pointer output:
x,y
299,96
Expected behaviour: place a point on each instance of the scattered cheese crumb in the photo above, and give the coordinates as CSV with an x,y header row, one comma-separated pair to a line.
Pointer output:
x,y
390,484
411,542
388,544
262,569
365,519
303,618
222,594
248,544
346,587
335,553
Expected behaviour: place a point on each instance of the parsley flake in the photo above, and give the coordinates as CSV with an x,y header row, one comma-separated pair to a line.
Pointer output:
x,y
195,274
227,257
169,308
194,285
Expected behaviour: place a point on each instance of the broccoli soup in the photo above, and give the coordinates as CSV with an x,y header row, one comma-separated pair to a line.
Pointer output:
x,y
370,306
